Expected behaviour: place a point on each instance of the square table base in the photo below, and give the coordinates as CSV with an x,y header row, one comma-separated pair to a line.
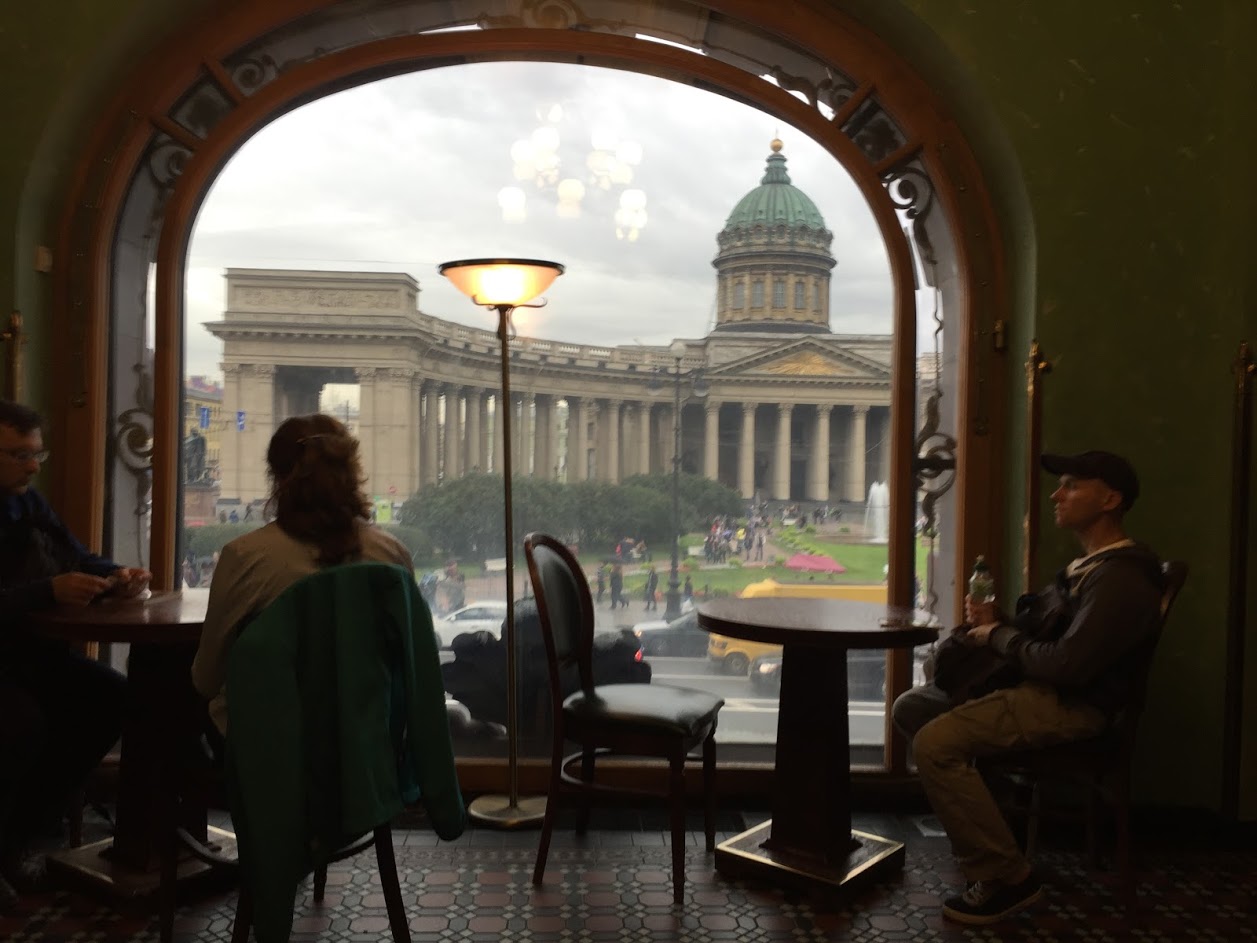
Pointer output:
x,y
873,859
92,866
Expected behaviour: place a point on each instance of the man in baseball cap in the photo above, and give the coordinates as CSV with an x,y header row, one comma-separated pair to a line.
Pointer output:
x,y
1111,469
1067,661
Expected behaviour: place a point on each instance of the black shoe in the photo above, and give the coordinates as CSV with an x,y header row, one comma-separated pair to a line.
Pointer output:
x,y
8,896
991,901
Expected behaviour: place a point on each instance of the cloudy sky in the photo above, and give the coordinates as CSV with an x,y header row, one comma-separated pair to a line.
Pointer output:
x,y
405,173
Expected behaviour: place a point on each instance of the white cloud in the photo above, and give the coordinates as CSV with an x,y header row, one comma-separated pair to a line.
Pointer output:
x,y
404,173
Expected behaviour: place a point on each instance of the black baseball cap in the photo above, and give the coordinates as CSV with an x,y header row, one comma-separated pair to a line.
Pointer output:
x,y
1111,469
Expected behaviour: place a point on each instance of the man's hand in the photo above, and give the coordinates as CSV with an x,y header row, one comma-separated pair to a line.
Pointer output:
x,y
981,634
130,581
77,589
980,613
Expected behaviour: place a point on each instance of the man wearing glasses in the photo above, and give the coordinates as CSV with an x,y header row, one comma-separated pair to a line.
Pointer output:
x,y
59,711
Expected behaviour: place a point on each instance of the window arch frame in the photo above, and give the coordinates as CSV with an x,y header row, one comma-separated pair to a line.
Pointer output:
x,y
89,232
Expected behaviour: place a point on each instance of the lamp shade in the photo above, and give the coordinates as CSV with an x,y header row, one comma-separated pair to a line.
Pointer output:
x,y
495,282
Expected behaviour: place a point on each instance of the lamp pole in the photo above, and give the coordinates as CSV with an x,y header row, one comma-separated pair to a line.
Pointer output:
x,y
502,285
672,608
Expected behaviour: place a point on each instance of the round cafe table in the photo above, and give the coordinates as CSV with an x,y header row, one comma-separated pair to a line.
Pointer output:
x,y
809,840
163,712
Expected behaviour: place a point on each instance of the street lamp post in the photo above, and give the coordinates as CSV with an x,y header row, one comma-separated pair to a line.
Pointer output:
x,y
672,608
672,605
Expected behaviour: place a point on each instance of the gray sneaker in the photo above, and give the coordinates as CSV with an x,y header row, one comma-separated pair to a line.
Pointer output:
x,y
986,902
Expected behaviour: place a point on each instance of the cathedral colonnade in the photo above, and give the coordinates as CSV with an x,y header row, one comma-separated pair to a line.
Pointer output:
x,y
787,416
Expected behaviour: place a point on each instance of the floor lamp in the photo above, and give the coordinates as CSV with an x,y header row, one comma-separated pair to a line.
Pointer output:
x,y
504,285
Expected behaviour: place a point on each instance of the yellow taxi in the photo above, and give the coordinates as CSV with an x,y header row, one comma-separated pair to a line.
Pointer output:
x,y
734,655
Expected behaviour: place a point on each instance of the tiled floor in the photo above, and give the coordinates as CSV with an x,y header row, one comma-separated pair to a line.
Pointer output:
x,y
614,885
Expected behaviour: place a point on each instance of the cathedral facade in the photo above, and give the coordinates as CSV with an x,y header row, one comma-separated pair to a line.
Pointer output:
x,y
773,403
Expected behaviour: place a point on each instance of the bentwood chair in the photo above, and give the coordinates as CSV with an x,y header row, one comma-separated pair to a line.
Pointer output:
x,y
338,720
1101,766
640,720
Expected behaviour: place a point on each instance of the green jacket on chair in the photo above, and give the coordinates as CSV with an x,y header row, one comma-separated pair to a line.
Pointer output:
x,y
337,721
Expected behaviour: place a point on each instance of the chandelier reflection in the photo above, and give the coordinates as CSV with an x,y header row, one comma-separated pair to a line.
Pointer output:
x,y
610,164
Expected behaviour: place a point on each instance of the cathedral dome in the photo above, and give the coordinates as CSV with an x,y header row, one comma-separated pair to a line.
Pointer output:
x,y
774,261
775,201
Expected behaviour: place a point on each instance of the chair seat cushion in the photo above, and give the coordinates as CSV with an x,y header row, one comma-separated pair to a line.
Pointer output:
x,y
648,708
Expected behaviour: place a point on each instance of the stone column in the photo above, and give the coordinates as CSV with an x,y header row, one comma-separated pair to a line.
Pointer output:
x,y
452,440
542,447
711,441
526,441
746,452
612,473
431,432
475,458
393,470
643,438
855,455
484,446
781,456
577,440
231,452
818,463
368,419
414,438
499,409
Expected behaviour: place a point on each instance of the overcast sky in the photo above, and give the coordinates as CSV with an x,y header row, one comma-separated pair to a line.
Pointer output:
x,y
405,173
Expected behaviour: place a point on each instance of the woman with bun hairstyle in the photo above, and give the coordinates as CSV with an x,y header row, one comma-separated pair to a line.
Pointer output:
x,y
321,517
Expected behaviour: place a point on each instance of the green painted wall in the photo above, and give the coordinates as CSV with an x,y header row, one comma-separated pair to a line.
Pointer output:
x,y
1115,136
1129,122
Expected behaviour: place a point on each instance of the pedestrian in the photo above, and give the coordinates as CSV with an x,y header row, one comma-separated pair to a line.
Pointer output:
x,y
652,584
602,581
617,585
759,546
688,590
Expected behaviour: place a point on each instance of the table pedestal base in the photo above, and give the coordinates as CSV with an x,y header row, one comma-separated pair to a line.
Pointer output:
x,y
92,865
874,858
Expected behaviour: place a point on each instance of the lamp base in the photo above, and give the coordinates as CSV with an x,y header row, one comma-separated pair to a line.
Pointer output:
x,y
500,812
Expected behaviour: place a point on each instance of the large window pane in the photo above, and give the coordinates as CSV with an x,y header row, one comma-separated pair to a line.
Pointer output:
x,y
313,286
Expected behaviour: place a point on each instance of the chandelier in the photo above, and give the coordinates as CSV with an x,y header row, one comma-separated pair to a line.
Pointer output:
x,y
541,163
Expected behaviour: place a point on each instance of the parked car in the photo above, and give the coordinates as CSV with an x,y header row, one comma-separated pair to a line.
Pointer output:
x,y
477,617
681,637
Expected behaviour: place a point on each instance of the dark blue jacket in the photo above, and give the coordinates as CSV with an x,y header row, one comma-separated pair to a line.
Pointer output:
x,y
35,546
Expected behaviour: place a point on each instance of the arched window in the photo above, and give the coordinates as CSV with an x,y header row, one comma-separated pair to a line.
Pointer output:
x,y
739,295
212,87
779,292
800,291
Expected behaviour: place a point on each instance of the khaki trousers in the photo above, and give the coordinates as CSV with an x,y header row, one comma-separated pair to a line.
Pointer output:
x,y
1027,716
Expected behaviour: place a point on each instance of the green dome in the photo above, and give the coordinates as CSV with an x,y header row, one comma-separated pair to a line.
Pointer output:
x,y
775,201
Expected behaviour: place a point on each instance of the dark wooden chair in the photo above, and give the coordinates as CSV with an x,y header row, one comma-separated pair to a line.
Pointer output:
x,y
1100,766
640,720
366,794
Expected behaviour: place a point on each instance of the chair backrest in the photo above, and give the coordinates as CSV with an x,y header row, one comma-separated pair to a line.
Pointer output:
x,y
1173,576
566,610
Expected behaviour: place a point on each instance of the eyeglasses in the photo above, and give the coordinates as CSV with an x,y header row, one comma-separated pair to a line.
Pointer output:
x,y
23,456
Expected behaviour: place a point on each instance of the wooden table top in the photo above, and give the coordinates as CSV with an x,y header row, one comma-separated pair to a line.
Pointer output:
x,y
168,617
837,623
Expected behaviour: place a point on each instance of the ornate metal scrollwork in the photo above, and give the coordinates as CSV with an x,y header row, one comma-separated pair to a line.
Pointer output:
x,y
253,73
133,444
912,192
550,14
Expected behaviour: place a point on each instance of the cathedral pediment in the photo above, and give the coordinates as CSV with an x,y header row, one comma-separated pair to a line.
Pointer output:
x,y
805,360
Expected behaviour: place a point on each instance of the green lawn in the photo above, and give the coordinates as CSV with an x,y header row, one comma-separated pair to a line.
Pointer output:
x,y
864,564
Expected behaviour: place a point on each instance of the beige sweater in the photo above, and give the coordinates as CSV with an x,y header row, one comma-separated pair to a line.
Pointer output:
x,y
252,570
